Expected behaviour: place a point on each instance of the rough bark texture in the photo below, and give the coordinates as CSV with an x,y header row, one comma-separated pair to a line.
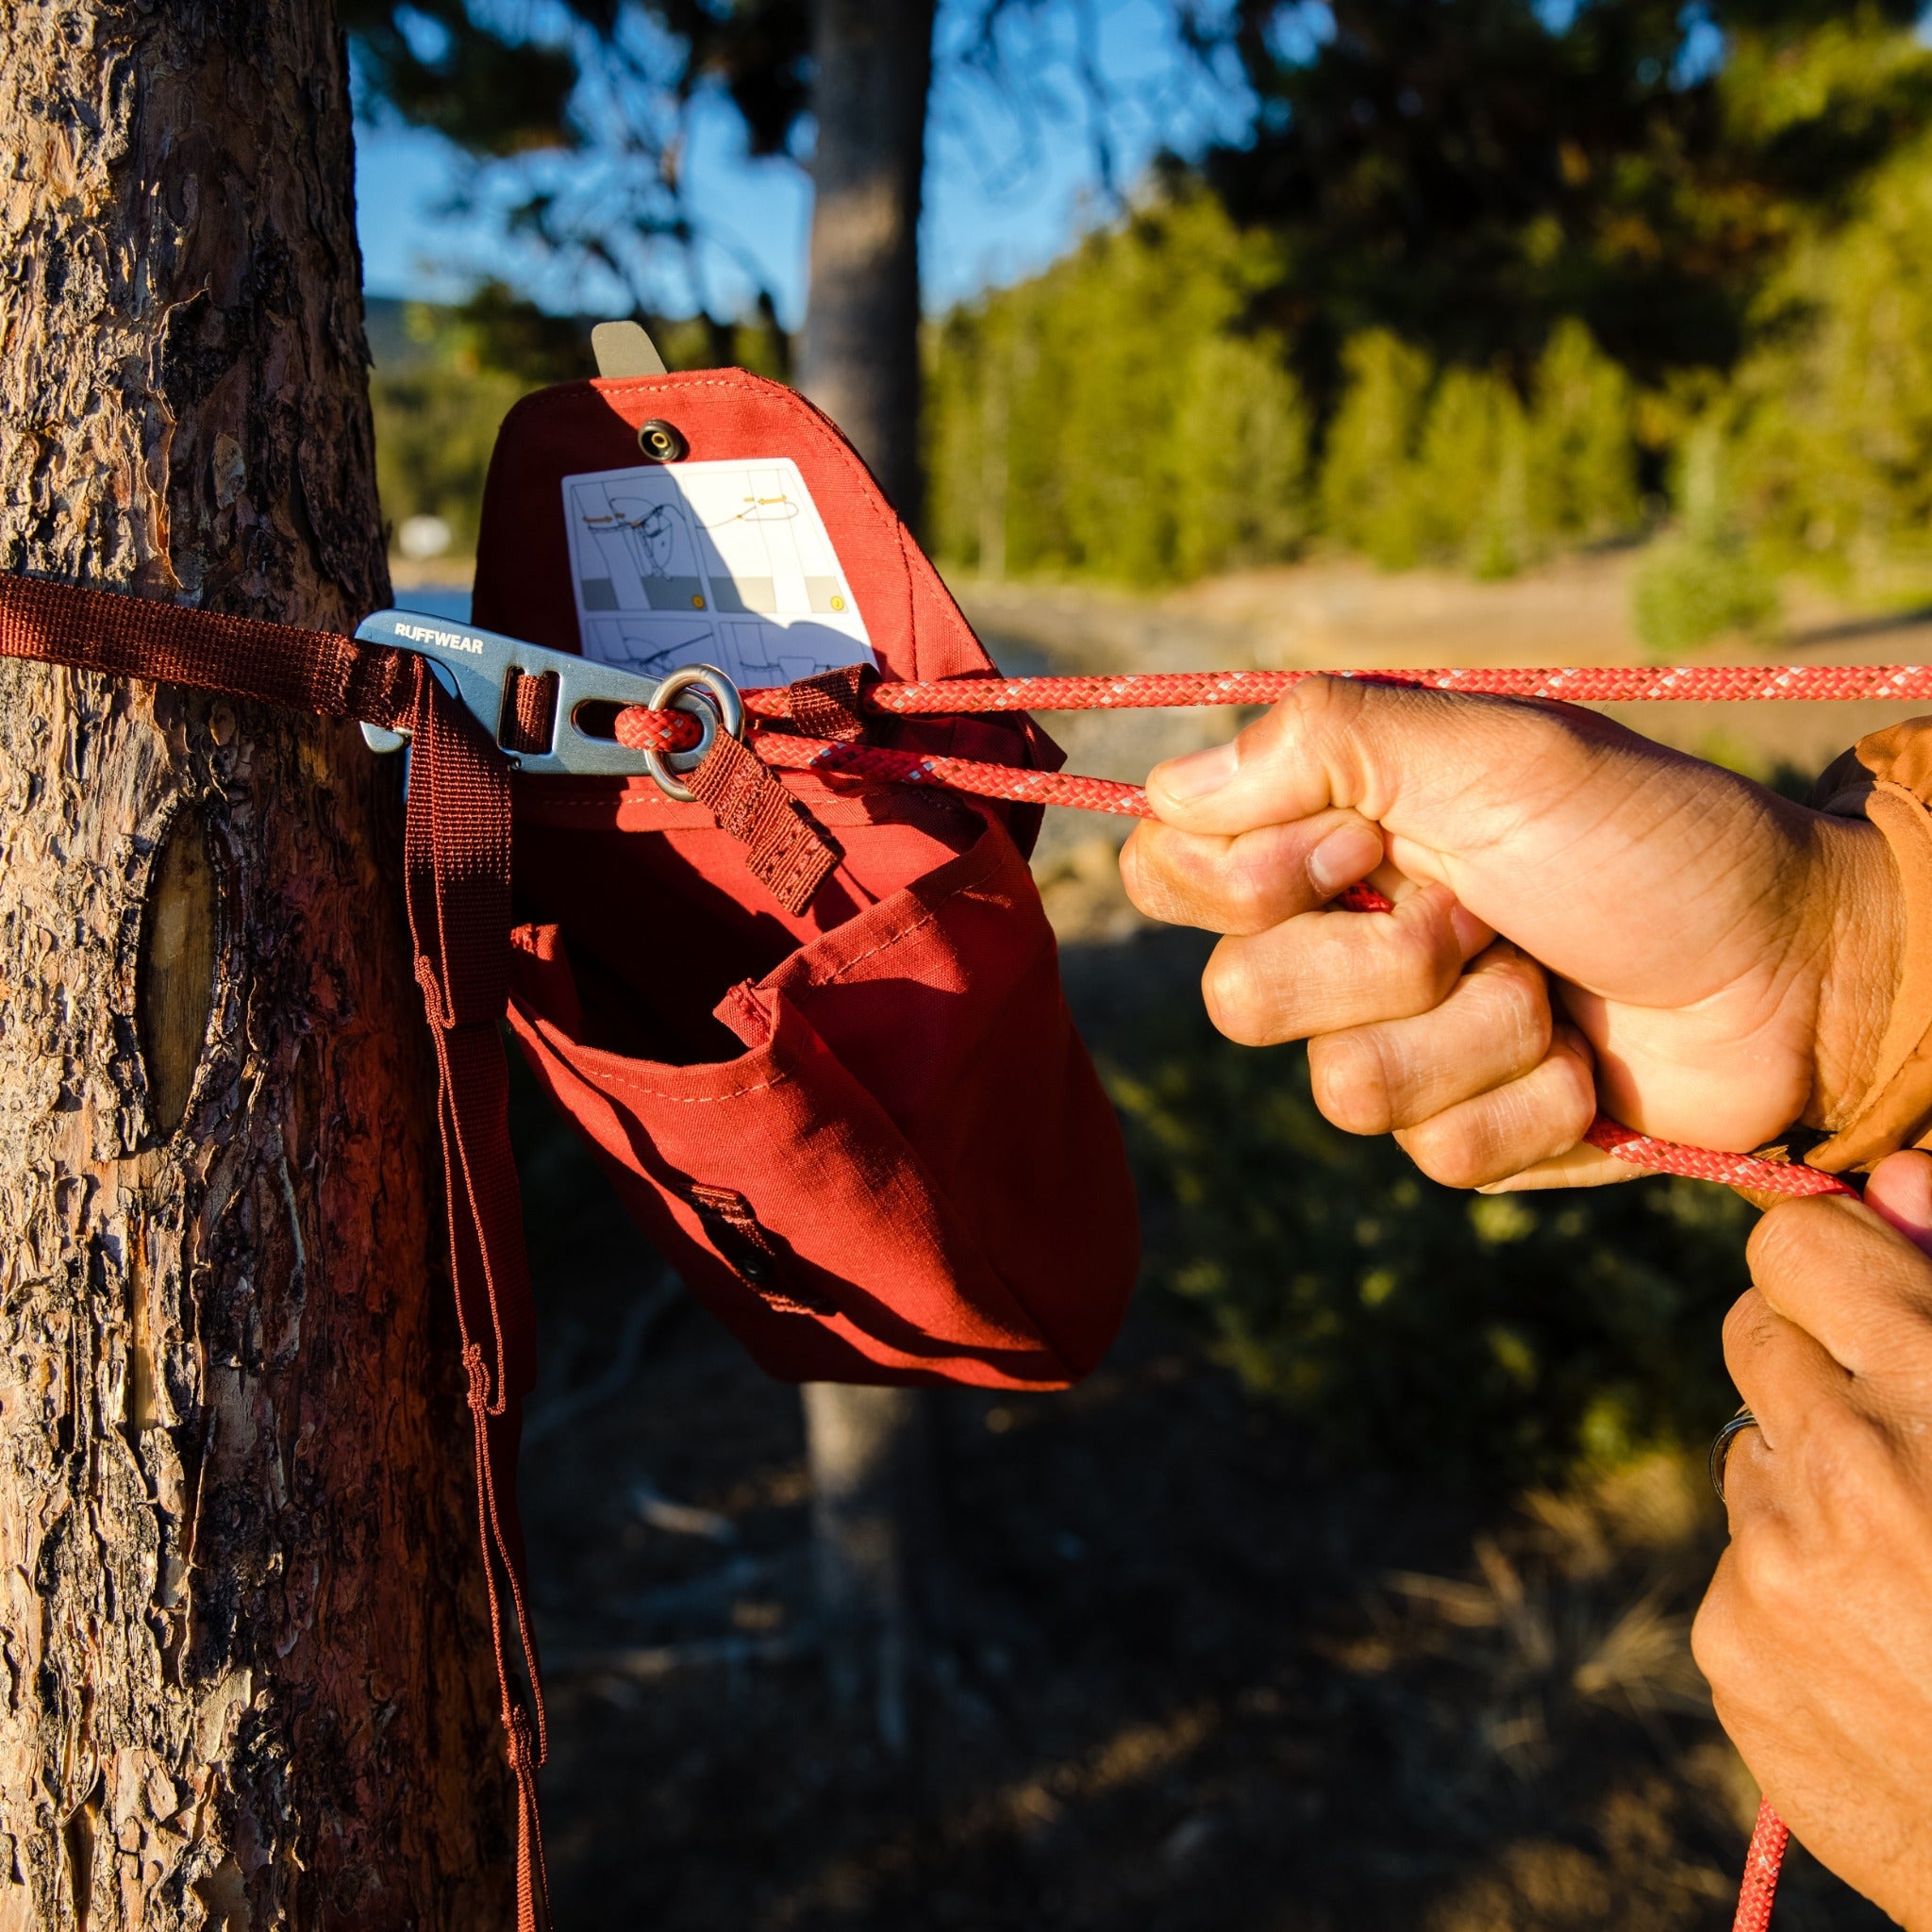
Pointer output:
x,y
860,360
245,1677
874,1496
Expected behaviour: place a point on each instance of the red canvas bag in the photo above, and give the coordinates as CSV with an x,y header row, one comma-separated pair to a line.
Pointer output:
x,y
864,1131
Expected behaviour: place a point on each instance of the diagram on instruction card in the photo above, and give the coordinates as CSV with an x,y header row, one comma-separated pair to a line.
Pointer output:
x,y
710,563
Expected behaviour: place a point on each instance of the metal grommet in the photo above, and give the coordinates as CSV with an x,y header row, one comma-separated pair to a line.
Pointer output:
x,y
663,443
1720,1447
712,699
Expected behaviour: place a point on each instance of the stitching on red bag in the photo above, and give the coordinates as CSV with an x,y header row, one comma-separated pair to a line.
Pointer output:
x,y
914,1212
624,1079
1030,1338
835,809
926,919
911,597
564,1047
832,975
930,915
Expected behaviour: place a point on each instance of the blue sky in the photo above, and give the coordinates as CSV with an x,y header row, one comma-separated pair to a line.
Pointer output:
x,y
1008,187
1013,173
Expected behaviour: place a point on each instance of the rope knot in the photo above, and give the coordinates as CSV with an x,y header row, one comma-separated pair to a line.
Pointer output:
x,y
435,999
519,1745
478,1374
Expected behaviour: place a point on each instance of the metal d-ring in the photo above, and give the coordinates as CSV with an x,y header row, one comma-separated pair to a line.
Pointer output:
x,y
712,699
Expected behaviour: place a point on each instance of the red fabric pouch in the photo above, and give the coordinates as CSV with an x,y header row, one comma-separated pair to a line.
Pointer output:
x,y
865,1132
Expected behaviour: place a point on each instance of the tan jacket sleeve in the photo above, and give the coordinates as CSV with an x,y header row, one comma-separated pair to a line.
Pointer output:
x,y
1888,778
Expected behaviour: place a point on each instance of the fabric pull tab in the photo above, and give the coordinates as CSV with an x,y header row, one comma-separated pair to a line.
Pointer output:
x,y
830,705
623,348
745,1245
790,853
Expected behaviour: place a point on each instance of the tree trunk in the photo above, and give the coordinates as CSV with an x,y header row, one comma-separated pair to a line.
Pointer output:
x,y
874,1496
860,360
874,1521
247,1678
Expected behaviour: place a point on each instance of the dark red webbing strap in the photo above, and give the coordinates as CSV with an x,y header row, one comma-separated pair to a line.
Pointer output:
x,y
530,712
457,845
785,846
238,656
832,705
456,849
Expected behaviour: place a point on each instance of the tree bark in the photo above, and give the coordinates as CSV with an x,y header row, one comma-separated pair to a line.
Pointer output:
x,y
247,1678
874,1504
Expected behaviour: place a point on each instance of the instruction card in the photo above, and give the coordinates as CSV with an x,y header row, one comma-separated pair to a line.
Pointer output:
x,y
710,563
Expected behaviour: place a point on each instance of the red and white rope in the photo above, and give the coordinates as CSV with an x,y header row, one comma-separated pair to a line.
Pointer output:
x,y
1579,684
676,730
1591,683
1016,783
1705,1164
1575,684
1757,1893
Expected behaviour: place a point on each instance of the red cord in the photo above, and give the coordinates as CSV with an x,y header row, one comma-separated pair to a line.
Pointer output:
x,y
1579,684
676,731
1705,1164
1762,1863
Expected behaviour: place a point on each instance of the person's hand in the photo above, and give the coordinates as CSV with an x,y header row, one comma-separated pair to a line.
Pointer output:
x,y
1722,961
1817,1633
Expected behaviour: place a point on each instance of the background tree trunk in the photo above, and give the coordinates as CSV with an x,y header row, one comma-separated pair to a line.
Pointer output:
x,y
246,1680
874,1519
859,357
875,1503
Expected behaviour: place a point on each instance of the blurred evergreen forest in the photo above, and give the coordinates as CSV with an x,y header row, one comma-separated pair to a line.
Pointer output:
x,y
1480,288
1482,281
444,378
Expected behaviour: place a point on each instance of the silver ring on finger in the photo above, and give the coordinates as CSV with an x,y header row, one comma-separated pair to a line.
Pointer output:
x,y
1720,1447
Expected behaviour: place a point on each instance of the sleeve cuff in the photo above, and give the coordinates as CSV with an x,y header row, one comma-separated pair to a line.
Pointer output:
x,y
1888,780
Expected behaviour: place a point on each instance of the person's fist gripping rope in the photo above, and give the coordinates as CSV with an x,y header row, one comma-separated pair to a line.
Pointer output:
x,y
1582,919
1817,1633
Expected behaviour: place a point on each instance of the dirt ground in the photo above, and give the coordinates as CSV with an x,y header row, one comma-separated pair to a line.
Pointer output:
x,y
1193,1679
